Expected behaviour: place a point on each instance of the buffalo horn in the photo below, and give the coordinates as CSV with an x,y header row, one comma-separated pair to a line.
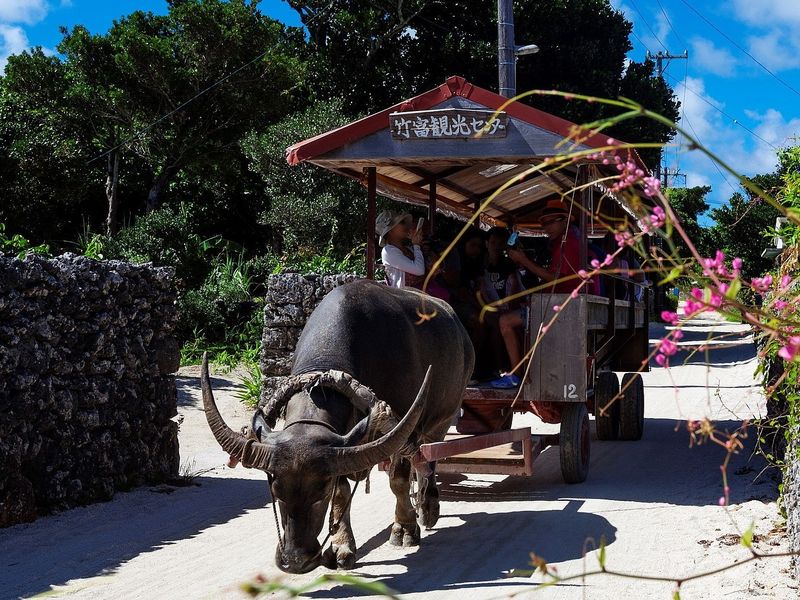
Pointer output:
x,y
352,459
250,453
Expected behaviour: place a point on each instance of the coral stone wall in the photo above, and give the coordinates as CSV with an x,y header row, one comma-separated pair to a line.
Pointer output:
x,y
86,395
290,299
791,499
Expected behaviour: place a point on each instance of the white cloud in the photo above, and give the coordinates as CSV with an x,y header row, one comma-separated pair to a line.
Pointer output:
x,y
777,49
776,41
23,11
695,179
13,40
744,152
711,59
768,12
699,117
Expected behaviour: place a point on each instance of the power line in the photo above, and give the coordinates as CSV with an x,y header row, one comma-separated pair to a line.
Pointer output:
x,y
172,112
683,112
722,112
713,162
647,24
723,34
670,23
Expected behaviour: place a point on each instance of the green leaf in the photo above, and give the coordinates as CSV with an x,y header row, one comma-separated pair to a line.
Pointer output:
x,y
601,557
673,274
734,288
747,537
676,595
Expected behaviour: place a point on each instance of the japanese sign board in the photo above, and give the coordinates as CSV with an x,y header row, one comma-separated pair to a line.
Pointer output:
x,y
447,123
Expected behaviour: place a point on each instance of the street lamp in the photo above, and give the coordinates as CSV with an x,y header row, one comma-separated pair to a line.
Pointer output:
x,y
525,50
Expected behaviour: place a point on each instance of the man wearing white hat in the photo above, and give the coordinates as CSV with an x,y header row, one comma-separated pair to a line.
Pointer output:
x,y
399,261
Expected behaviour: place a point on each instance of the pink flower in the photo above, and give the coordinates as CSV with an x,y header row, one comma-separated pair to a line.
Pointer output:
x,y
595,263
737,264
761,284
667,347
722,501
785,281
669,317
780,304
556,307
662,360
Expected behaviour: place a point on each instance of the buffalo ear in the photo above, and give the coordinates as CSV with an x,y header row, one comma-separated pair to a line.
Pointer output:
x,y
358,434
259,425
377,423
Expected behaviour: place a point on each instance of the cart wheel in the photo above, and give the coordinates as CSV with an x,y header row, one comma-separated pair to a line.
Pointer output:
x,y
631,408
605,389
574,443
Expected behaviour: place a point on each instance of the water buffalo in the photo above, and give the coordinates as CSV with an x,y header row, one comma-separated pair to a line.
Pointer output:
x,y
356,397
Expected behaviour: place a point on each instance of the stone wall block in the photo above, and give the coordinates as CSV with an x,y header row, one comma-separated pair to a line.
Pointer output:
x,y
290,300
86,398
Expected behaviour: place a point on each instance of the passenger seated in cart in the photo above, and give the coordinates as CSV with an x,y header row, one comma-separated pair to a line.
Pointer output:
x,y
404,265
447,276
471,256
564,241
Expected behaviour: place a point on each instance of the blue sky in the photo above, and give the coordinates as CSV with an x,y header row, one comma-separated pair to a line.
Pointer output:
x,y
731,103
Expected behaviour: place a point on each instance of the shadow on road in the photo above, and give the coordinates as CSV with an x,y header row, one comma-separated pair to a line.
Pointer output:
x,y
96,540
452,558
654,469
188,383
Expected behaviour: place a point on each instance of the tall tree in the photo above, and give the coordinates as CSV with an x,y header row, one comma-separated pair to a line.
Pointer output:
x,y
741,225
397,49
689,204
149,68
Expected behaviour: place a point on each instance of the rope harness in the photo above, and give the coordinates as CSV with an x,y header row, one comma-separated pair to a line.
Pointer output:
x,y
363,400
332,526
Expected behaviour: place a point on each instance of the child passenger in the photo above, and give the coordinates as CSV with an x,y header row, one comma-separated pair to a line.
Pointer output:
x,y
404,265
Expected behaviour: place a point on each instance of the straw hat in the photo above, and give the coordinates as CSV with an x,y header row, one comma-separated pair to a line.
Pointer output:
x,y
388,220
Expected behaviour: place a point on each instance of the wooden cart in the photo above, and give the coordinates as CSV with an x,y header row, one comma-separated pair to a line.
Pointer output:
x,y
425,151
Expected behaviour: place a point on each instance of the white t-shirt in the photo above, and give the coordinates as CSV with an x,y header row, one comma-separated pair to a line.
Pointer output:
x,y
398,264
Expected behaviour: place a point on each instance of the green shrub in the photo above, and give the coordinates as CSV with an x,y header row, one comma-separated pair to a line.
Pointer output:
x,y
170,237
19,246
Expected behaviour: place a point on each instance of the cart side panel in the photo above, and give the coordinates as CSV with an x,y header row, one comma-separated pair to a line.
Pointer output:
x,y
631,353
558,370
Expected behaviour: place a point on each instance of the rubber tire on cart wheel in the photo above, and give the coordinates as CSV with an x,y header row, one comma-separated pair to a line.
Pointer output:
x,y
606,387
574,443
631,408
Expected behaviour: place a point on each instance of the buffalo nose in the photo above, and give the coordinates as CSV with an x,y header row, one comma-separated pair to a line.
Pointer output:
x,y
297,560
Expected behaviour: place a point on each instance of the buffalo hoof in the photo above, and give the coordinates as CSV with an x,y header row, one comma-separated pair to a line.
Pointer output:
x,y
428,513
339,557
404,535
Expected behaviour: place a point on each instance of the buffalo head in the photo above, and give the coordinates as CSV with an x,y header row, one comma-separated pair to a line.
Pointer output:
x,y
303,462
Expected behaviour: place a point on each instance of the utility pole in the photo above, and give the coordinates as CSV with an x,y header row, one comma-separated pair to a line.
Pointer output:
x,y
507,50
506,67
675,174
660,57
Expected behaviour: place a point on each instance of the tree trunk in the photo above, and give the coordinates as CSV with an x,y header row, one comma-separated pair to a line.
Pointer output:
x,y
154,195
112,186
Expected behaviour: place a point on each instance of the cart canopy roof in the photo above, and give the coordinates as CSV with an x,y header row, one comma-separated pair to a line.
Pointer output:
x,y
433,137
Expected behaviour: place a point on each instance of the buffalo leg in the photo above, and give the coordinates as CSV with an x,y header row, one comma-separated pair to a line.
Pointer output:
x,y
405,531
342,551
427,498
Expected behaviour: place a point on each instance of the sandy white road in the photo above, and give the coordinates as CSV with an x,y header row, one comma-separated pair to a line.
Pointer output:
x,y
655,501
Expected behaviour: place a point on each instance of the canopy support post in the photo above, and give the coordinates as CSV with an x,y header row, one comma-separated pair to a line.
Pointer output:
x,y
372,189
583,205
432,206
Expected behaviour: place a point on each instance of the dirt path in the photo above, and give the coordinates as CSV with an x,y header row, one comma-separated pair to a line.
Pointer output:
x,y
655,501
